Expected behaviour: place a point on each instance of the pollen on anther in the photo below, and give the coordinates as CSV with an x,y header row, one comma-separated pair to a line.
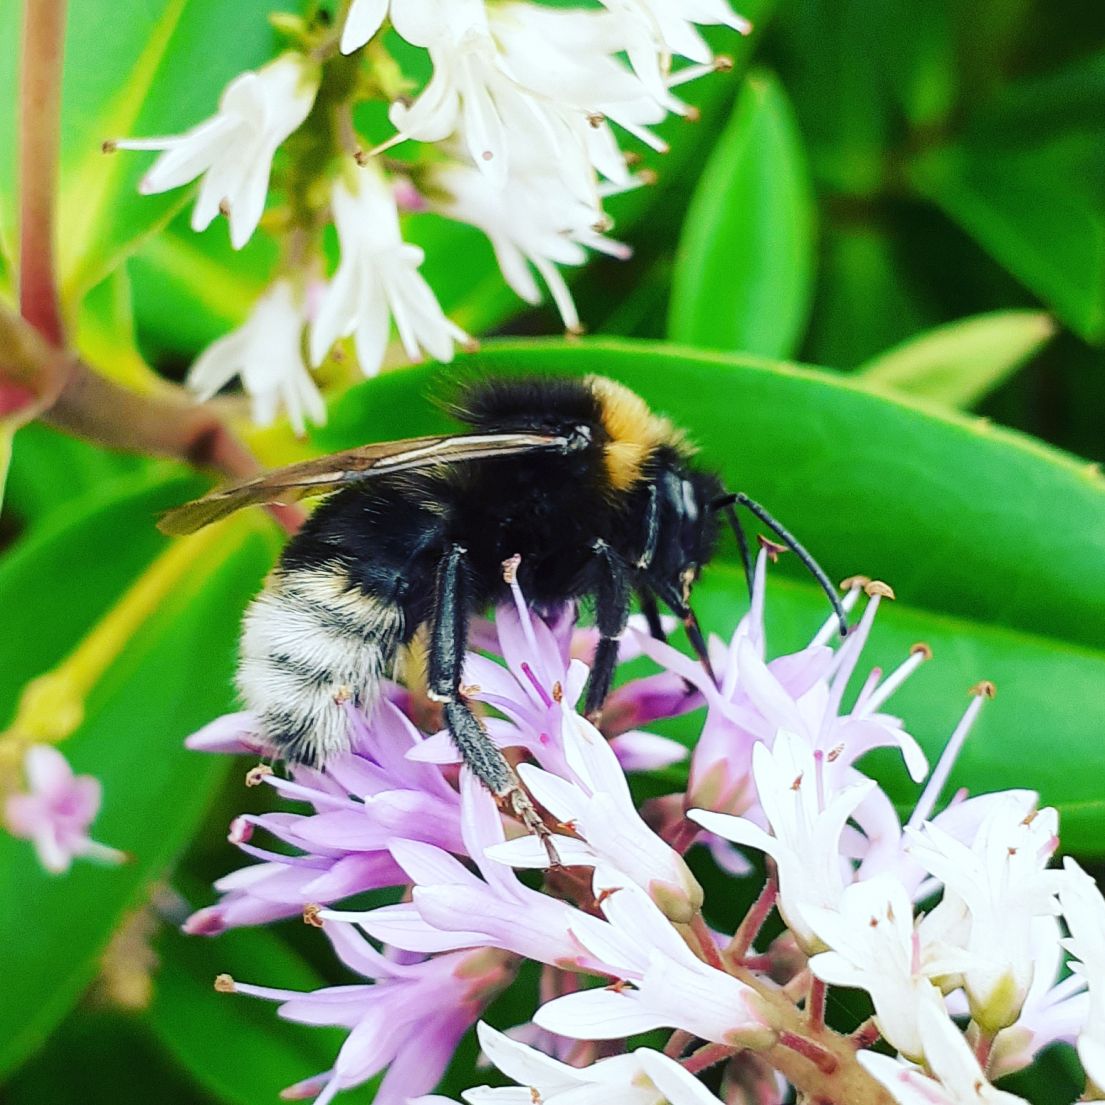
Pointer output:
x,y
255,776
984,689
723,63
854,582
534,1095
557,692
772,548
224,208
693,115
877,587
108,145
596,119
510,569
797,784
920,648
224,984
311,916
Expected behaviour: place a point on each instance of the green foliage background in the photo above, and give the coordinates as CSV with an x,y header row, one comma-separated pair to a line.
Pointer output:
x,y
909,194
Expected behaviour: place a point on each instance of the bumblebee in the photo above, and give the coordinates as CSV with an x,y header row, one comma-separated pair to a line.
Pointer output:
x,y
598,495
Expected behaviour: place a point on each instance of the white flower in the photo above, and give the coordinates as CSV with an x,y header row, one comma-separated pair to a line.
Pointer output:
x,y
644,1077
670,25
597,804
266,351
875,947
957,1077
235,147
806,828
378,279
363,21
1084,911
997,884
532,219
667,985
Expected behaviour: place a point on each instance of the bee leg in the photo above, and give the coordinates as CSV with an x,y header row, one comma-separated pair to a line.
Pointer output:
x,y
611,614
448,641
651,610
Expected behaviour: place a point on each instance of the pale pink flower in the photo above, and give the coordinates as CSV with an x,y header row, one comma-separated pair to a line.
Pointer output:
x,y
1084,911
56,812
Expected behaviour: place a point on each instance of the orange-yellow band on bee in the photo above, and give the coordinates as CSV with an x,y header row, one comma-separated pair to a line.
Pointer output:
x,y
634,432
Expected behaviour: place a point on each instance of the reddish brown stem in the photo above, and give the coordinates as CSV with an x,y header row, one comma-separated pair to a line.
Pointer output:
x,y
754,920
815,1004
39,139
821,1057
706,1057
75,399
677,1043
864,1036
706,942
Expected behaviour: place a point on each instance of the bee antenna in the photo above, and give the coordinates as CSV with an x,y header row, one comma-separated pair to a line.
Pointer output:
x,y
727,503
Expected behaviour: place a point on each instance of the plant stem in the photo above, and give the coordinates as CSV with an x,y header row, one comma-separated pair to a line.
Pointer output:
x,y
39,140
754,920
706,1057
815,1004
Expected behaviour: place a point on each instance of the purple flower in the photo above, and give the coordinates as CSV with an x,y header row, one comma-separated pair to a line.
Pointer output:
x,y
407,1019
56,812
363,801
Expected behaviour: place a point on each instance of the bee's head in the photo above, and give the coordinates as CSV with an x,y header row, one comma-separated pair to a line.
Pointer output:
x,y
686,530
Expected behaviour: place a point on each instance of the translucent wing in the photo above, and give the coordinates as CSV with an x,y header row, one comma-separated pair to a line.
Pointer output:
x,y
325,474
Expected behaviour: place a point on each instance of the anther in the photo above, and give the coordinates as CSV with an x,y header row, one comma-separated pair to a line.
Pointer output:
x,y
877,587
596,118
575,332
648,177
108,145
854,583
772,548
557,691
693,115
510,569
470,345
342,695
255,776
224,984
984,689
362,157
723,63
920,649
797,784
311,916
224,208
602,224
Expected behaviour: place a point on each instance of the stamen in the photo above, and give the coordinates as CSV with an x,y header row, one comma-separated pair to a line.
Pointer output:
x,y
918,654
257,775
510,577
927,802
224,984
831,626
528,672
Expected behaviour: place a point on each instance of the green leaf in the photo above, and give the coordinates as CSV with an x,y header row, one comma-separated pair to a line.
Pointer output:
x,y
962,362
1037,212
153,72
867,297
744,269
983,531
236,1047
171,676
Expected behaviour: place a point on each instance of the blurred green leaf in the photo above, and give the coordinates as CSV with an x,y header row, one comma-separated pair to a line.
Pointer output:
x,y
50,470
150,70
975,526
1030,211
101,1057
170,677
744,269
236,1047
960,363
866,297
193,288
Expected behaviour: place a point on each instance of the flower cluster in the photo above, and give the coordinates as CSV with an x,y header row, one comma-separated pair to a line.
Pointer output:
x,y
524,107
951,918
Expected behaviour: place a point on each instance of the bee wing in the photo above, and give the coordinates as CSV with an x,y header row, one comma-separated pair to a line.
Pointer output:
x,y
322,475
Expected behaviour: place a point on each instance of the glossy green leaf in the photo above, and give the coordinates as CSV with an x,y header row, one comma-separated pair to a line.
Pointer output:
x,y
171,676
974,526
236,1047
744,269
149,71
962,362
1038,212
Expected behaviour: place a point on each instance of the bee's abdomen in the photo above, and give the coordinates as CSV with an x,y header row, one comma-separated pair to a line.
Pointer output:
x,y
312,641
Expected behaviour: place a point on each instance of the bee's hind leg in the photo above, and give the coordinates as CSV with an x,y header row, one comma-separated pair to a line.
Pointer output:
x,y
448,641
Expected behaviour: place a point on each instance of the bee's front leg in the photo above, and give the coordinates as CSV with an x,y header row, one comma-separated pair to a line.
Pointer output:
x,y
448,641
